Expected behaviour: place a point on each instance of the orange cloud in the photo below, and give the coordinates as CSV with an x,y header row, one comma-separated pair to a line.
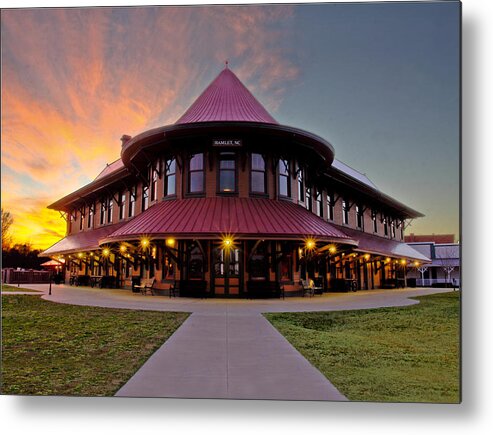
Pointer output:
x,y
80,78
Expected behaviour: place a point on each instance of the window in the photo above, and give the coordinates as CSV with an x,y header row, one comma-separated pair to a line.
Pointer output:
x,y
392,228
301,185
170,178
227,172
196,173
374,219
82,215
132,198
318,203
284,185
90,216
286,263
110,211
145,197
257,180
102,217
385,228
359,217
308,196
154,177
168,267
345,212
122,200
330,206
402,229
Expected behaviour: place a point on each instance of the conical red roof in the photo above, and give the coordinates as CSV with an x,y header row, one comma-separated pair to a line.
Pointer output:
x,y
226,99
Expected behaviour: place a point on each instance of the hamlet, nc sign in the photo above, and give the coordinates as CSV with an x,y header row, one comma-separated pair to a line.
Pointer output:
x,y
226,143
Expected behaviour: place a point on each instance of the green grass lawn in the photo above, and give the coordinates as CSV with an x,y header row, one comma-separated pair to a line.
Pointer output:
x,y
12,288
58,349
406,354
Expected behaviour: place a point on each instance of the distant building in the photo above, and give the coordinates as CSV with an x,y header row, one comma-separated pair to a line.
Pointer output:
x,y
444,269
437,238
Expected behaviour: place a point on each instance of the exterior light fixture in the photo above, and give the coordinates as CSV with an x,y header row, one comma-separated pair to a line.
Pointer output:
x,y
310,244
403,261
123,248
106,252
227,242
332,249
387,260
367,256
91,254
170,242
416,263
80,255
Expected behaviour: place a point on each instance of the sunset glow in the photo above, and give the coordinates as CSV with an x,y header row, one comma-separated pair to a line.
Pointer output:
x,y
80,78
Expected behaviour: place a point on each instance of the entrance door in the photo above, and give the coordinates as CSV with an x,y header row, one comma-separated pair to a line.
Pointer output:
x,y
227,271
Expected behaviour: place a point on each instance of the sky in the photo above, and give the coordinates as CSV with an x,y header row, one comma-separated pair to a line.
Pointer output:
x,y
379,81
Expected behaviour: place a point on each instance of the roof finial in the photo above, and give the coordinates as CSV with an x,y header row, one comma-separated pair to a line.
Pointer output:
x,y
226,63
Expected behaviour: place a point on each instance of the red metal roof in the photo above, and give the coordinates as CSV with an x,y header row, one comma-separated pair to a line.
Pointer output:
x,y
381,246
110,168
83,241
226,99
243,217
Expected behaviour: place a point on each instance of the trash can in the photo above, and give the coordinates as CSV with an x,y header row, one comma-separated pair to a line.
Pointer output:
x,y
135,281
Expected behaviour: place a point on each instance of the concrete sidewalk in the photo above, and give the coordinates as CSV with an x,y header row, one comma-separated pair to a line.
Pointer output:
x,y
225,355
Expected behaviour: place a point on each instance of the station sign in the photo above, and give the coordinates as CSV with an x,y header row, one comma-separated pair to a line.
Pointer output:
x,y
227,143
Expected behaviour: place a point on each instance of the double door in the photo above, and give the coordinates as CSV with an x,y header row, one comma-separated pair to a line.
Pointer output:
x,y
227,271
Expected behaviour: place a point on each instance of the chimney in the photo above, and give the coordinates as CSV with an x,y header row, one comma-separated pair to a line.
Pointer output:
x,y
125,138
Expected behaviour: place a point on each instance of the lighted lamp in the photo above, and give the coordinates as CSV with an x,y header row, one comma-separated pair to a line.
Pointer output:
x,y
310,244
332,249
367,256
106,252
123,249
170,242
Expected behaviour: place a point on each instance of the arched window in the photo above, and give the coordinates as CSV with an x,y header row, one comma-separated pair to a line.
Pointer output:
x,y
196,173
258,176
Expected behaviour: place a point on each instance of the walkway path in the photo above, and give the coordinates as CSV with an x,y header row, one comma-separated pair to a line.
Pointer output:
x,y
226,348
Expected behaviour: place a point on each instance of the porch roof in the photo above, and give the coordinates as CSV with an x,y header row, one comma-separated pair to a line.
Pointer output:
x,y
372,244
216,216
83,241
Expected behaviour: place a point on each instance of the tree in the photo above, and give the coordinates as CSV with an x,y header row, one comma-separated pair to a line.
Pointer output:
x,y
7,221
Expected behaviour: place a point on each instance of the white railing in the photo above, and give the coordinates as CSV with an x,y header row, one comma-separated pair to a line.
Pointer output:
x,y
428,282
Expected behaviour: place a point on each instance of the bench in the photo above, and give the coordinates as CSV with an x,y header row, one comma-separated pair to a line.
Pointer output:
x,y
146,286
264,289
307,287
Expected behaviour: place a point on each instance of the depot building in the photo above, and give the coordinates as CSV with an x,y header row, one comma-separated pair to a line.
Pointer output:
x,y
226,199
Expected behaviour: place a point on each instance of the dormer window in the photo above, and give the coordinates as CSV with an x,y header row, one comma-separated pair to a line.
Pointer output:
x,y
170,177
227,172
359,217
258,176
145,197
330,206
284,184
154,178
301,185
345,212
196,173
319,204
